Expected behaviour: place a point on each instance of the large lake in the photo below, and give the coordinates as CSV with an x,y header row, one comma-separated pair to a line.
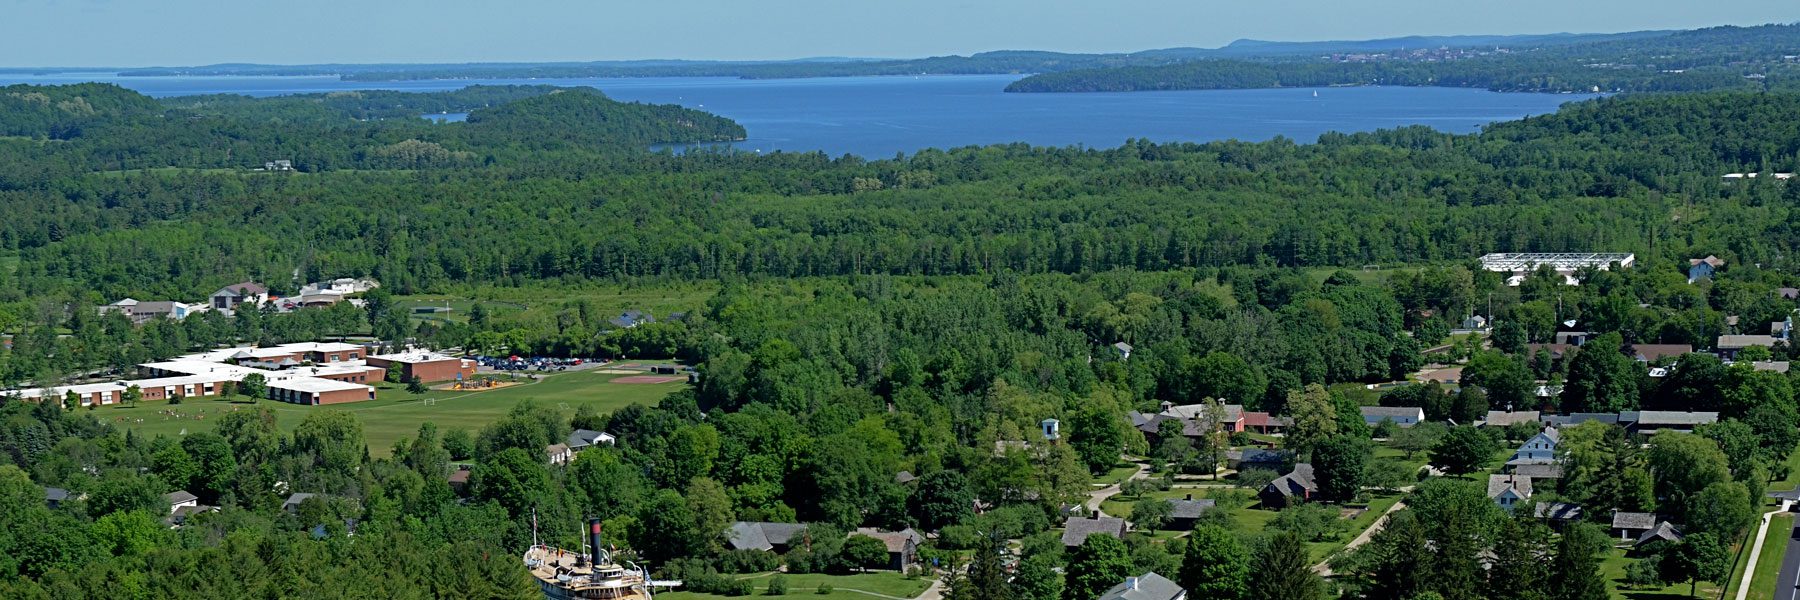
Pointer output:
x,y
881,116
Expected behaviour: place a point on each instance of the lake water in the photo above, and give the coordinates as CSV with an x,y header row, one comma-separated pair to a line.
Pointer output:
x,y
881,116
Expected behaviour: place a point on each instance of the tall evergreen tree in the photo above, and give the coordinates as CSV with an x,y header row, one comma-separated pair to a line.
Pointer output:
x,y
1575,570
1284,571
1521,554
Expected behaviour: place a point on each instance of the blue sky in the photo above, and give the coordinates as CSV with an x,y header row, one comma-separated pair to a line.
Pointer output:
x,y
189,32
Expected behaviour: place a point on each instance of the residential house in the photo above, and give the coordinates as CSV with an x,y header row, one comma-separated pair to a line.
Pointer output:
x,y
1557,351
905,477
293,502
180,516
1076,530
769,537
1278,461
1509,491
1730,345
1404,416
1663,532
902,546
1778,366
1573,338
141,312
1629,525
1703,268
1558,513
279,165
1184,512
1578,418
558,454
55,496
1540,449
229,297
1475,323
582,439
180,498
1655,352
459,480
1293,488
1123,350
632,318
1148,586
1788,293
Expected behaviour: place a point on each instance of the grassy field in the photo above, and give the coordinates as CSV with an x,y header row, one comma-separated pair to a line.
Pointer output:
x,y
396,414
1768,565
885,583
1612,567
1254,520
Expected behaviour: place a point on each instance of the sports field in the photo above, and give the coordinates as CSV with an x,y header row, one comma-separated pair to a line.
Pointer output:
x,y
396,414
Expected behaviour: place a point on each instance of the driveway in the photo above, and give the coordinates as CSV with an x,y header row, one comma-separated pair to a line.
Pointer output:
x,y
1787,585
1100,495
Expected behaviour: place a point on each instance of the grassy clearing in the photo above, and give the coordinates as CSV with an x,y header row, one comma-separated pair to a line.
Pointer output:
x,y
1253,521
1119,473
396,414
885,583
1613,566
1787,482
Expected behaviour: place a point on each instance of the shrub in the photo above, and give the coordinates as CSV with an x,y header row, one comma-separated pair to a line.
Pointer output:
x,y
777,585
748,561
824,588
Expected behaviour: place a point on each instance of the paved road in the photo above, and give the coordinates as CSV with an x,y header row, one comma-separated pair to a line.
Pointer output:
x,y
1787,585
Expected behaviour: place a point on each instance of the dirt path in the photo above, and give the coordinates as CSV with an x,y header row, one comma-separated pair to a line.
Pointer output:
x,y
1324,567
1100,495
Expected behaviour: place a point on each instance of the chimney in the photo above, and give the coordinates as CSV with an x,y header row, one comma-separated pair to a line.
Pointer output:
x,y
1096,513
594,540
1131,583
1190,497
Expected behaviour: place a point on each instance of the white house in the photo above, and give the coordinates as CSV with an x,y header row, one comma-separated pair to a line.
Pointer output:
x,y
1540,449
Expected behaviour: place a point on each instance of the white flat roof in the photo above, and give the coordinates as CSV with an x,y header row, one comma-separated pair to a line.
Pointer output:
x,y
415,357
1513,262
316,385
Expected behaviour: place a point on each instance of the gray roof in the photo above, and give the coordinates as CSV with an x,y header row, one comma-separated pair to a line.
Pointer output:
x,y
55,494
1295,483
1498,484
1559,511
1539,470
1663,531
1668,417
1393,411
1148,586
1778,366
905,477
1500,418
752,535
180,496
1579,418
1122,347
1633,520
294,500
1745,341
1258,456
582,438
1077,530
1189,508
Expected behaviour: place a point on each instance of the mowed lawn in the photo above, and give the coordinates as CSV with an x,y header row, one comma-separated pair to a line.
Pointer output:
x,y
396,414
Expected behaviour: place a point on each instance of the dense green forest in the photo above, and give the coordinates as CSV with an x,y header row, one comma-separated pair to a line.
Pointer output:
x,y
1724,58
865,317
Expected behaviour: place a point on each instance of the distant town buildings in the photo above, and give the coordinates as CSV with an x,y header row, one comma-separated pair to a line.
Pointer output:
x,y
1522,264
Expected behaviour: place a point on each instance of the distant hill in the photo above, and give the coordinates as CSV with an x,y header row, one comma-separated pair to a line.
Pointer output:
x,y
983,63
1251,48
1720,58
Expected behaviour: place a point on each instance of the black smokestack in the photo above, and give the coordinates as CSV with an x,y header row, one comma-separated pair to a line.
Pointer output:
x,y
594,539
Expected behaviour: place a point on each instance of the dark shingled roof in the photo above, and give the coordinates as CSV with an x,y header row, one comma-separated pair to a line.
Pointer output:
x,y
1296,483
1633,520
1077,530
1189,508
